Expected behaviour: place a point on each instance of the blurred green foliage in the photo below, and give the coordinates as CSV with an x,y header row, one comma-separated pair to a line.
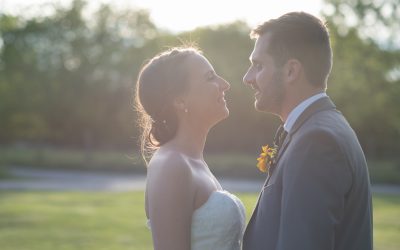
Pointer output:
x,y
69,80
234,165
63,158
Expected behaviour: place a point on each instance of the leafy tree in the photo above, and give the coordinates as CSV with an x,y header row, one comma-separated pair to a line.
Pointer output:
x,y
69,80
365,81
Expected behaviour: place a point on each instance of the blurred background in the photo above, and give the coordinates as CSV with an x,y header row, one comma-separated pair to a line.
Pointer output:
x,y
68,71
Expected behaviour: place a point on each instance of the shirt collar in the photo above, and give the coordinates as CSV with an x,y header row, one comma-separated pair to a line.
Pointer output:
x,y
299,109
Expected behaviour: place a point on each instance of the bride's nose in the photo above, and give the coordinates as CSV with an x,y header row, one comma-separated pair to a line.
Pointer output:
x,y
224,85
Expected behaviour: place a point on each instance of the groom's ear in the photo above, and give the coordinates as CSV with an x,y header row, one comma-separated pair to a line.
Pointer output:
x,y
292,70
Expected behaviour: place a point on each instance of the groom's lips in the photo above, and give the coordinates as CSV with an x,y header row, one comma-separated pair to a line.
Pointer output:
x,y
255,87
257,94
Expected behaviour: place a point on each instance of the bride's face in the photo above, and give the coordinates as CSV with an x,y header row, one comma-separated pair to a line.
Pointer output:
x,y
204,99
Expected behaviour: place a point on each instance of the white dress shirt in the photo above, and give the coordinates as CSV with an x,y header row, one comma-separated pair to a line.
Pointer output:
x,y
299,109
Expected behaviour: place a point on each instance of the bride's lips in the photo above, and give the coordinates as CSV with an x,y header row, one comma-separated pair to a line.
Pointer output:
x,y
221,98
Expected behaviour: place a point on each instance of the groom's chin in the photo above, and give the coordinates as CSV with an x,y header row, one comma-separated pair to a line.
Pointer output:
x,y
260,108
267,107
265,110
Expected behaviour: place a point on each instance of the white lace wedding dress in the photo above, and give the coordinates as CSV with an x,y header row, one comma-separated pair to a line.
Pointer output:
x,y
219,223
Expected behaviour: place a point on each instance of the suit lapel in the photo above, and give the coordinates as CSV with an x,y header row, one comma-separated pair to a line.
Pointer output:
x,y
322,104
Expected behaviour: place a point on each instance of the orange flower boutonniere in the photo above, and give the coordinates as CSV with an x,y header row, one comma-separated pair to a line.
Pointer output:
x,y
267,158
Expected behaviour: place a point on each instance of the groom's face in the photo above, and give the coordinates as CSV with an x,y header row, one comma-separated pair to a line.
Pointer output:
x,y
265,78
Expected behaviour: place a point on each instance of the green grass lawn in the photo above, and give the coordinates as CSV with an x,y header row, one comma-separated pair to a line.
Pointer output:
x,y
74,220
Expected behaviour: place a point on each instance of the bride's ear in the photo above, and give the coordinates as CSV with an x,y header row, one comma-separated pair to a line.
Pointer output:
x,y
180,103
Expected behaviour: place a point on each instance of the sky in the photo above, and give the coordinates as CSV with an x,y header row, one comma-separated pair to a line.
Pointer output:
x,y
181,15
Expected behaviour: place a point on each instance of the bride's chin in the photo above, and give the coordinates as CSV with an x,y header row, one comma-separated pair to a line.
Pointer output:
x,y
225,114
220,117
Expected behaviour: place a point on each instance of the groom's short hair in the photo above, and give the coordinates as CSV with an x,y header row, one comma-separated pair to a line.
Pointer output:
x,y
303,37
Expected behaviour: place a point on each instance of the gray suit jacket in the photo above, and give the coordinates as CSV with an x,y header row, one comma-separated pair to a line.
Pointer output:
x,y
318,197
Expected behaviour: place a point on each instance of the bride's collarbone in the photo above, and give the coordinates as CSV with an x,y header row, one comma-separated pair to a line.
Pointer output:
x,y
206,185
203,173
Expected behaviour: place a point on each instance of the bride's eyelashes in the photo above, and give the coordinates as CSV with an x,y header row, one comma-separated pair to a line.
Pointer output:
x,y
211,76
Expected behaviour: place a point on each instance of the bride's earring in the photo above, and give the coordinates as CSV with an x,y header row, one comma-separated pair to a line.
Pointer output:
x,y
180,105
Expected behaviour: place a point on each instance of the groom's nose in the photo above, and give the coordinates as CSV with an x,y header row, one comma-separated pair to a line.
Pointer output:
x,y
248,79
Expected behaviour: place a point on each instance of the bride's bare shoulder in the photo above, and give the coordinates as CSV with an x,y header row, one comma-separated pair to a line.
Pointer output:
x,y
169,162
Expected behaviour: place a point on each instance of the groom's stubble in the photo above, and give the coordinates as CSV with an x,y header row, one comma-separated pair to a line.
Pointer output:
x,y
273,95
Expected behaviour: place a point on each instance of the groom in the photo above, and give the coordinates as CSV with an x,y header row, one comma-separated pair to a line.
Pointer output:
x,y
317,195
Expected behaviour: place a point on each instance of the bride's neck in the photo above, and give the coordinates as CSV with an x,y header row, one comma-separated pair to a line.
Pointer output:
x,y
191,141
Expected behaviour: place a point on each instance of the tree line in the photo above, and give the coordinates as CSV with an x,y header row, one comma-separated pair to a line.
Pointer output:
x,y
68,80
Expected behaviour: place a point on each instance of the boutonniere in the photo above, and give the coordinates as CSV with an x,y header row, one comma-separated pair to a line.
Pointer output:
x,y
267,158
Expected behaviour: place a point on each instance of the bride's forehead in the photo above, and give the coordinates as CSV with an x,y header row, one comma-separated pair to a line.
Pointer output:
x,y
199,63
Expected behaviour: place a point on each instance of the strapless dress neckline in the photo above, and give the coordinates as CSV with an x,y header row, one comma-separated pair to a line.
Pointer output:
x,y
218,223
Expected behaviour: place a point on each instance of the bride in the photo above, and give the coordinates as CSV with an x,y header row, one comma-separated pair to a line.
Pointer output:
x,y
179,97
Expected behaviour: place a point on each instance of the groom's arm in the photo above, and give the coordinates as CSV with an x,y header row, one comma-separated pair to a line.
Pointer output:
x,y
315,182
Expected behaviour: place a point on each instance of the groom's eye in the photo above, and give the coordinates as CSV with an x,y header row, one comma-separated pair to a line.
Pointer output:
x,y
256,65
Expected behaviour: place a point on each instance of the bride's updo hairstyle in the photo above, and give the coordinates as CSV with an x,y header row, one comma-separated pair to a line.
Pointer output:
x,y
160,81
